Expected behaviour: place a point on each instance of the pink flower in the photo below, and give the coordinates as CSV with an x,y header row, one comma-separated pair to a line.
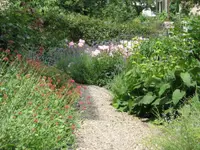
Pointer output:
x,y
7,51
81,103
79,87
71,44
71,80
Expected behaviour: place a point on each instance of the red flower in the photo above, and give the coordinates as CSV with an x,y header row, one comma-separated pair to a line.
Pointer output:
x,y
19,56
36,120
67,106
5,59
73,127
70,117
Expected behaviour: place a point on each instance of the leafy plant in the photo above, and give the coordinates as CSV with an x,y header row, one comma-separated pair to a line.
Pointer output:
x,y
158,78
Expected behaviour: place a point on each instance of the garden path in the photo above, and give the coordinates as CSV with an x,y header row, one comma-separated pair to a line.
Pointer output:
x,y
103,128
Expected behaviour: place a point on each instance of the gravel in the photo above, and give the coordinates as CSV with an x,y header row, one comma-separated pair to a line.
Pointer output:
x,y
104,128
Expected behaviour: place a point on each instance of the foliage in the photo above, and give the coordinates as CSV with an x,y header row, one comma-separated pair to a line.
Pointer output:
x,y
117,11
36,113
84,7
97,70
158,78
182,133
104,9
98,30
28,27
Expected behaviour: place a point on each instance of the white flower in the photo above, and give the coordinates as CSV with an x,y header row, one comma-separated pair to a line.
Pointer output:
x,y
120,46
104,47
96,52
80,44
111,54
82,41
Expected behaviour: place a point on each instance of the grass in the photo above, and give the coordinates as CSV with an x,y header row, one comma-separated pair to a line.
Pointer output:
x,y
182,133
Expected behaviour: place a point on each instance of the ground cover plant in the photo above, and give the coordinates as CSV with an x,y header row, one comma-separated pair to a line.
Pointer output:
x,y
182,133
36,111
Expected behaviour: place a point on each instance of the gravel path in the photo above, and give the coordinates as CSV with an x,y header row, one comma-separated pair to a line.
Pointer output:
x,y
103,128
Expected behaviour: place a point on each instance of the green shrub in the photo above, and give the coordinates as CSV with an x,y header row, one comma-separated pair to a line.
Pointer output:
x,y
26,27
97,70
35,112
158,78
182,133
98,30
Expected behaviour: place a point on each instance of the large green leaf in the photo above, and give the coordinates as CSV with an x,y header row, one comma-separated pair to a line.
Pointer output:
x,y
187,79
130,104
177,96
163,88
147,99
160,101
195,97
